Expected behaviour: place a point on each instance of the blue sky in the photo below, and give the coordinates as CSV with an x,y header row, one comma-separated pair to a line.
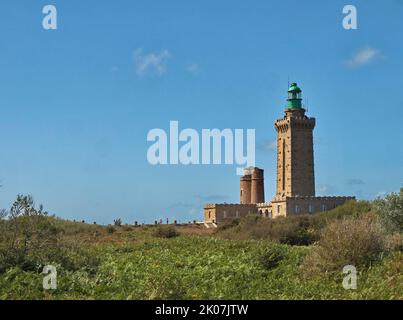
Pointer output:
x,y
76,103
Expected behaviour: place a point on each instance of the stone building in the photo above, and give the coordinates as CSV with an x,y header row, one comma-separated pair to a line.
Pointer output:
x,y
295,179
252,186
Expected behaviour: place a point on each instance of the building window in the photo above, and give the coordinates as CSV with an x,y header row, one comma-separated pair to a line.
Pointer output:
x,y
324,207
209,214
296,208
311,208
278,209
241,192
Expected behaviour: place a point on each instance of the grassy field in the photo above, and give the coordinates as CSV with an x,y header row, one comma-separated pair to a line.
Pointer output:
x,y
136,265
127,262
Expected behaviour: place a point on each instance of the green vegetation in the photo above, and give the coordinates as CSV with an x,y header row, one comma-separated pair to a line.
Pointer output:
x,y
294,258
165,232
295,230
390,211
272,256
358,242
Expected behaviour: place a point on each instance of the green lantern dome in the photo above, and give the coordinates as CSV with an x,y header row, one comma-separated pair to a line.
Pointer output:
x,y
294,97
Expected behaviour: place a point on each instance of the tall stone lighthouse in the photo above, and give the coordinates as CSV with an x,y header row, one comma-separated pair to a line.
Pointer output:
x,y
295,164
295,177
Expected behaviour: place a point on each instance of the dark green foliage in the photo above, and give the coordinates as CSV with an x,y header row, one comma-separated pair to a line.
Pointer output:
x,y
272,256
390,211
227,224
300,230
30,239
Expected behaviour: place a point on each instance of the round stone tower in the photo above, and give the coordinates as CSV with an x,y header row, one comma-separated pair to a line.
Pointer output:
x,y
257,186
246,188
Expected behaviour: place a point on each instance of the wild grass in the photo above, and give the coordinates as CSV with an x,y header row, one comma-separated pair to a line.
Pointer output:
x,y
246,259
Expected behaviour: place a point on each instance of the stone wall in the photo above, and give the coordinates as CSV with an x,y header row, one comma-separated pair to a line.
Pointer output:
x,y
306,205
216,213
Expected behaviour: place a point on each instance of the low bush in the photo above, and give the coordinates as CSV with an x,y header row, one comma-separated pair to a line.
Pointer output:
x,y
351,208
227,224
110,229
350,241
30,239
272,256
293,230
390,211
165,231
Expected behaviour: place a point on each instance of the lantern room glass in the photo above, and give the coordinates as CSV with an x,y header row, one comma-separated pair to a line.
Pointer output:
x,y
292,95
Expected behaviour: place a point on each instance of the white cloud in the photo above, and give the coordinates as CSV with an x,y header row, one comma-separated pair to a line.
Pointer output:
x,y
193,68
151,63
268,145
354,181
363,57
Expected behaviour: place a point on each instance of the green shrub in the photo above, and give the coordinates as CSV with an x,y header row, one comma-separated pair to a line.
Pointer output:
x,y
272,257
165,231
390,210
297,230
74,258
293,230
28,238
351,208
227,224
357,242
